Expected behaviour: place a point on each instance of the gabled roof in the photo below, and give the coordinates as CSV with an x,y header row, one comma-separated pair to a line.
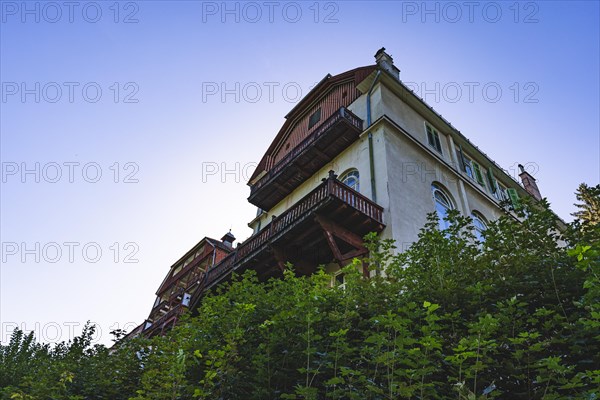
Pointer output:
x,y
219,244
299,110
169,277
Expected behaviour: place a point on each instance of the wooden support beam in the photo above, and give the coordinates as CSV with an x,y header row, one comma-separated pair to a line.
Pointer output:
x,y
333,246
353,253
332,230
365,266
340,232
279,255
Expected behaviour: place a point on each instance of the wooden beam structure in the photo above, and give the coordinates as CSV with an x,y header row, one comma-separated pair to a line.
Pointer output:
x,y
332,231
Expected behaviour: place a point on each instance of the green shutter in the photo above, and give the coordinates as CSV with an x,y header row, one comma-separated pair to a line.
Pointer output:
x,y
490,175
514,198
478,174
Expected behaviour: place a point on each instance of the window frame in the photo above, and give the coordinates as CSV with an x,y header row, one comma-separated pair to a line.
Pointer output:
x,y
473,170
468,164
336,283
433,138
350,173
501,193
435,188
314,118
477,216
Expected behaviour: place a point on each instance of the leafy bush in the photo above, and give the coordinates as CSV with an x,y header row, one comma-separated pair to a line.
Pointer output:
x,y
514,317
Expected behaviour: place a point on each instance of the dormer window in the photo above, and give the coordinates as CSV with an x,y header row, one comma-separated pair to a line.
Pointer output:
x,y
314,118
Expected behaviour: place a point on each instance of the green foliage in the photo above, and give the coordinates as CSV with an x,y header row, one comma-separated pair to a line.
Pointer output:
x,y
589,209
73,370
515,317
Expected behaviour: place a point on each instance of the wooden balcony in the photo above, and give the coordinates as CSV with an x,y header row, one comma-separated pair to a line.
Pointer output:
x,y
328,140
327,225
164,322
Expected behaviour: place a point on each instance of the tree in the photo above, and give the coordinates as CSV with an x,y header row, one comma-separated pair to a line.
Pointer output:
x,y
589,208
72,370
514,316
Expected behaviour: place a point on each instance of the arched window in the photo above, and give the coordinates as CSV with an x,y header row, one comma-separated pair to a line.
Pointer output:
x,y
351,178
442,205
479,226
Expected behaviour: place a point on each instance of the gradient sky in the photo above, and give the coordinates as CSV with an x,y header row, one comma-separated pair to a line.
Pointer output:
x,y
174,150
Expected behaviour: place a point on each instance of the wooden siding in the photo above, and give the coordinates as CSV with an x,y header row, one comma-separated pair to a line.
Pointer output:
x,y
340,96
329,94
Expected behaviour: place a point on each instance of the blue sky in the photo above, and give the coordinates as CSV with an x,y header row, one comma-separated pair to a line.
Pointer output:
x,y
140,123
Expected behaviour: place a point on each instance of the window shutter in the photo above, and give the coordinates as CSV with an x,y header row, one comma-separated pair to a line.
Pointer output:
x,y
514,198
478,174
492,180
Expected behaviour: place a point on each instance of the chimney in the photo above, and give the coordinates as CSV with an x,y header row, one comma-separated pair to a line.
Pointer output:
x,y
386,62
228,240
529,183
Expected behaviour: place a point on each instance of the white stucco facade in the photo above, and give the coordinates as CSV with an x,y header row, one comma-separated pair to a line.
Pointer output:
x,y
406,165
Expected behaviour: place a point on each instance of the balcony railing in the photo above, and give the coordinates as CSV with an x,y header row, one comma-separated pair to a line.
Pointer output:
x,y
175,278
330,138
159,323
330,189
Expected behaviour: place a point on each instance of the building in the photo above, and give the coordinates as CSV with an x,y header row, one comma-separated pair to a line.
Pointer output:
x,y
359,153
186,277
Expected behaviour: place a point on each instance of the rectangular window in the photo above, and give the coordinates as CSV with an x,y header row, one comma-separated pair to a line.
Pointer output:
x,y
314,118
461,159
473,170
258,226
433,138
501,193
199,251
468,167
189,260
177,269
339,280
156,302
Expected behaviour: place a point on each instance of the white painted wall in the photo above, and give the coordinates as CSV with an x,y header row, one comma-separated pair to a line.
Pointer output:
x,y
405,168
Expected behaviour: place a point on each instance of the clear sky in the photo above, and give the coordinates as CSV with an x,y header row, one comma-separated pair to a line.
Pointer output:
x,y
129,129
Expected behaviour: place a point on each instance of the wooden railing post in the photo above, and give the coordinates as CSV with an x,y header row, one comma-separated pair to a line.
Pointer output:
x,y
273,218
330,181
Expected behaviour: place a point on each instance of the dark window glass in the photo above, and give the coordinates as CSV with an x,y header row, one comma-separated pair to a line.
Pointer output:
x,y
433,138
314,118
